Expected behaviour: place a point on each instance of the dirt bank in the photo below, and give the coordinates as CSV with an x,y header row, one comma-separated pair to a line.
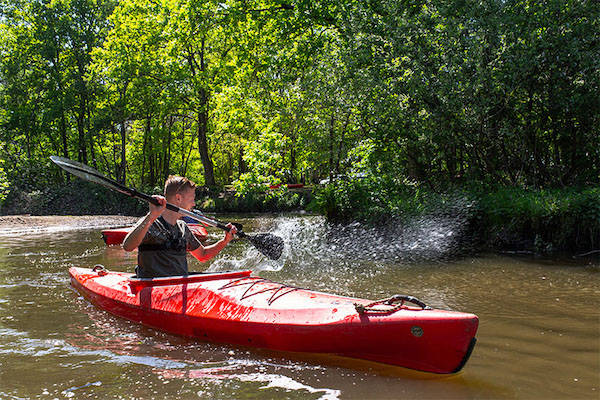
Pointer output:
x,y
15,224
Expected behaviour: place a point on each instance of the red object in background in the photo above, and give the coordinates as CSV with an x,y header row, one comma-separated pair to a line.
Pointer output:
x,y
238,308
116,236
289,186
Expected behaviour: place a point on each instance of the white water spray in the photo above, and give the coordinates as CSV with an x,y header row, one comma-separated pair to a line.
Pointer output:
x,y
311,240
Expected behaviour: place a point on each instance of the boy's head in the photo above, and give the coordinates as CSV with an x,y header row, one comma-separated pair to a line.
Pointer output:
x,y
180,191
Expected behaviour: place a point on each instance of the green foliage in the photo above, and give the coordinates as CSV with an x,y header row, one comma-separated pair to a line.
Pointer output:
x,y
377,198
264,156
254,201
500,217
251,184
478,91
421,97
545,219
4,186
488,91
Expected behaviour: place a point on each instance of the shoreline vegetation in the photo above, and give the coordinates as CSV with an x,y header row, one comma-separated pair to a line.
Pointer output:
x,y
493,218
486,113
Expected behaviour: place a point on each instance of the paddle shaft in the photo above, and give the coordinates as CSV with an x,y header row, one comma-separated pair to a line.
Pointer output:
x,y
173,207
87,173
268,244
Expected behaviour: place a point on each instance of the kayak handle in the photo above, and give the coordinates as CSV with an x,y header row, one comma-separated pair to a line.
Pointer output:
x,y
391,301
100,270
404,298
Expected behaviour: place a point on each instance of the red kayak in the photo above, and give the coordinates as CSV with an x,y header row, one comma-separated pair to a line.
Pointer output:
x,y
116,236
238,308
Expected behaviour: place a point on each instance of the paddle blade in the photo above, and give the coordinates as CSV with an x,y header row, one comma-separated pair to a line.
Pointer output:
x,y
89,174
267,243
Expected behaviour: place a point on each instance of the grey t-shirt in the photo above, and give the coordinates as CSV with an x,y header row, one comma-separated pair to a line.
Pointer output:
x,y
163,249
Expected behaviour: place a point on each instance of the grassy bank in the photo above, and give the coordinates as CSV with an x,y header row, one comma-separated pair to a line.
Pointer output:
x,y
497,218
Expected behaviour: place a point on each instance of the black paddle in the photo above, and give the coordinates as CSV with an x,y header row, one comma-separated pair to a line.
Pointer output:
x,y
267,243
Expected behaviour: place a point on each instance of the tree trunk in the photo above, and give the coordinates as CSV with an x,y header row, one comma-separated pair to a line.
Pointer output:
x,y
82,151
167,152
144,157
187,159
152,178
122,176
341,143
292,178
90,137
331,144
81,112
209,177
123,168
63,135
241,163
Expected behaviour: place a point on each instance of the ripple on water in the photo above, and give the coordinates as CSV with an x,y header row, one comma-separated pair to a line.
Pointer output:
x,y
544,316
225,372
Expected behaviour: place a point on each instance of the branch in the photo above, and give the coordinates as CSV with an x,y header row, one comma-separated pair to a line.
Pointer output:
x,y
588,253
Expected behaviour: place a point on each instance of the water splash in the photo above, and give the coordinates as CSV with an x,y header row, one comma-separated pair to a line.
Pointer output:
x,y
310,239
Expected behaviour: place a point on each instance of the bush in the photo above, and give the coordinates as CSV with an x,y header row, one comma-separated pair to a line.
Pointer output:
x,y
256,201
4,186
543,220
497,217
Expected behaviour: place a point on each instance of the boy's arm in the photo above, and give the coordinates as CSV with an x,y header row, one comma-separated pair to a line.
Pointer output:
x,y
137,234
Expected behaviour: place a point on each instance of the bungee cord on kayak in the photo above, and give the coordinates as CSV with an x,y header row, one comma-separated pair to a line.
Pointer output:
x,y
391,301
254,280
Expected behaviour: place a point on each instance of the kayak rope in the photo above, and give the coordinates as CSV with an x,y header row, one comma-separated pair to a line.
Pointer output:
x,y
363,309
253,280
100,269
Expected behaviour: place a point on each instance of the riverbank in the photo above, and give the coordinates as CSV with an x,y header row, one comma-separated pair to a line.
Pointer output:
x,y
496,219
19,224
78,197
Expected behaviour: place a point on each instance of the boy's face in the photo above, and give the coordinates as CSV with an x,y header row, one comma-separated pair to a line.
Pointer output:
x,y
186,199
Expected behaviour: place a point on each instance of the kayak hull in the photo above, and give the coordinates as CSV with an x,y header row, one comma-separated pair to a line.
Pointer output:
x,y
116,236
238,308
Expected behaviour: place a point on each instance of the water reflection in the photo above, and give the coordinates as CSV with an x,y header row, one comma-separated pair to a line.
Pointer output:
x,y
538,337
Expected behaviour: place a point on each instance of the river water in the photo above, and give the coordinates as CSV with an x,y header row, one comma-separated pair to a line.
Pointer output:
x,y
539,334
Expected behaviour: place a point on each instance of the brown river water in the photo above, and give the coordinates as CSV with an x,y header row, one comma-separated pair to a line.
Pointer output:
x,y
539,333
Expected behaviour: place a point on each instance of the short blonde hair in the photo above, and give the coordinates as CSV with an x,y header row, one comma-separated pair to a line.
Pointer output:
x,y
177,184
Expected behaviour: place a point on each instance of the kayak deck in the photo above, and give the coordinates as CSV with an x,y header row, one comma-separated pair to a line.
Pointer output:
x,y
238,308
